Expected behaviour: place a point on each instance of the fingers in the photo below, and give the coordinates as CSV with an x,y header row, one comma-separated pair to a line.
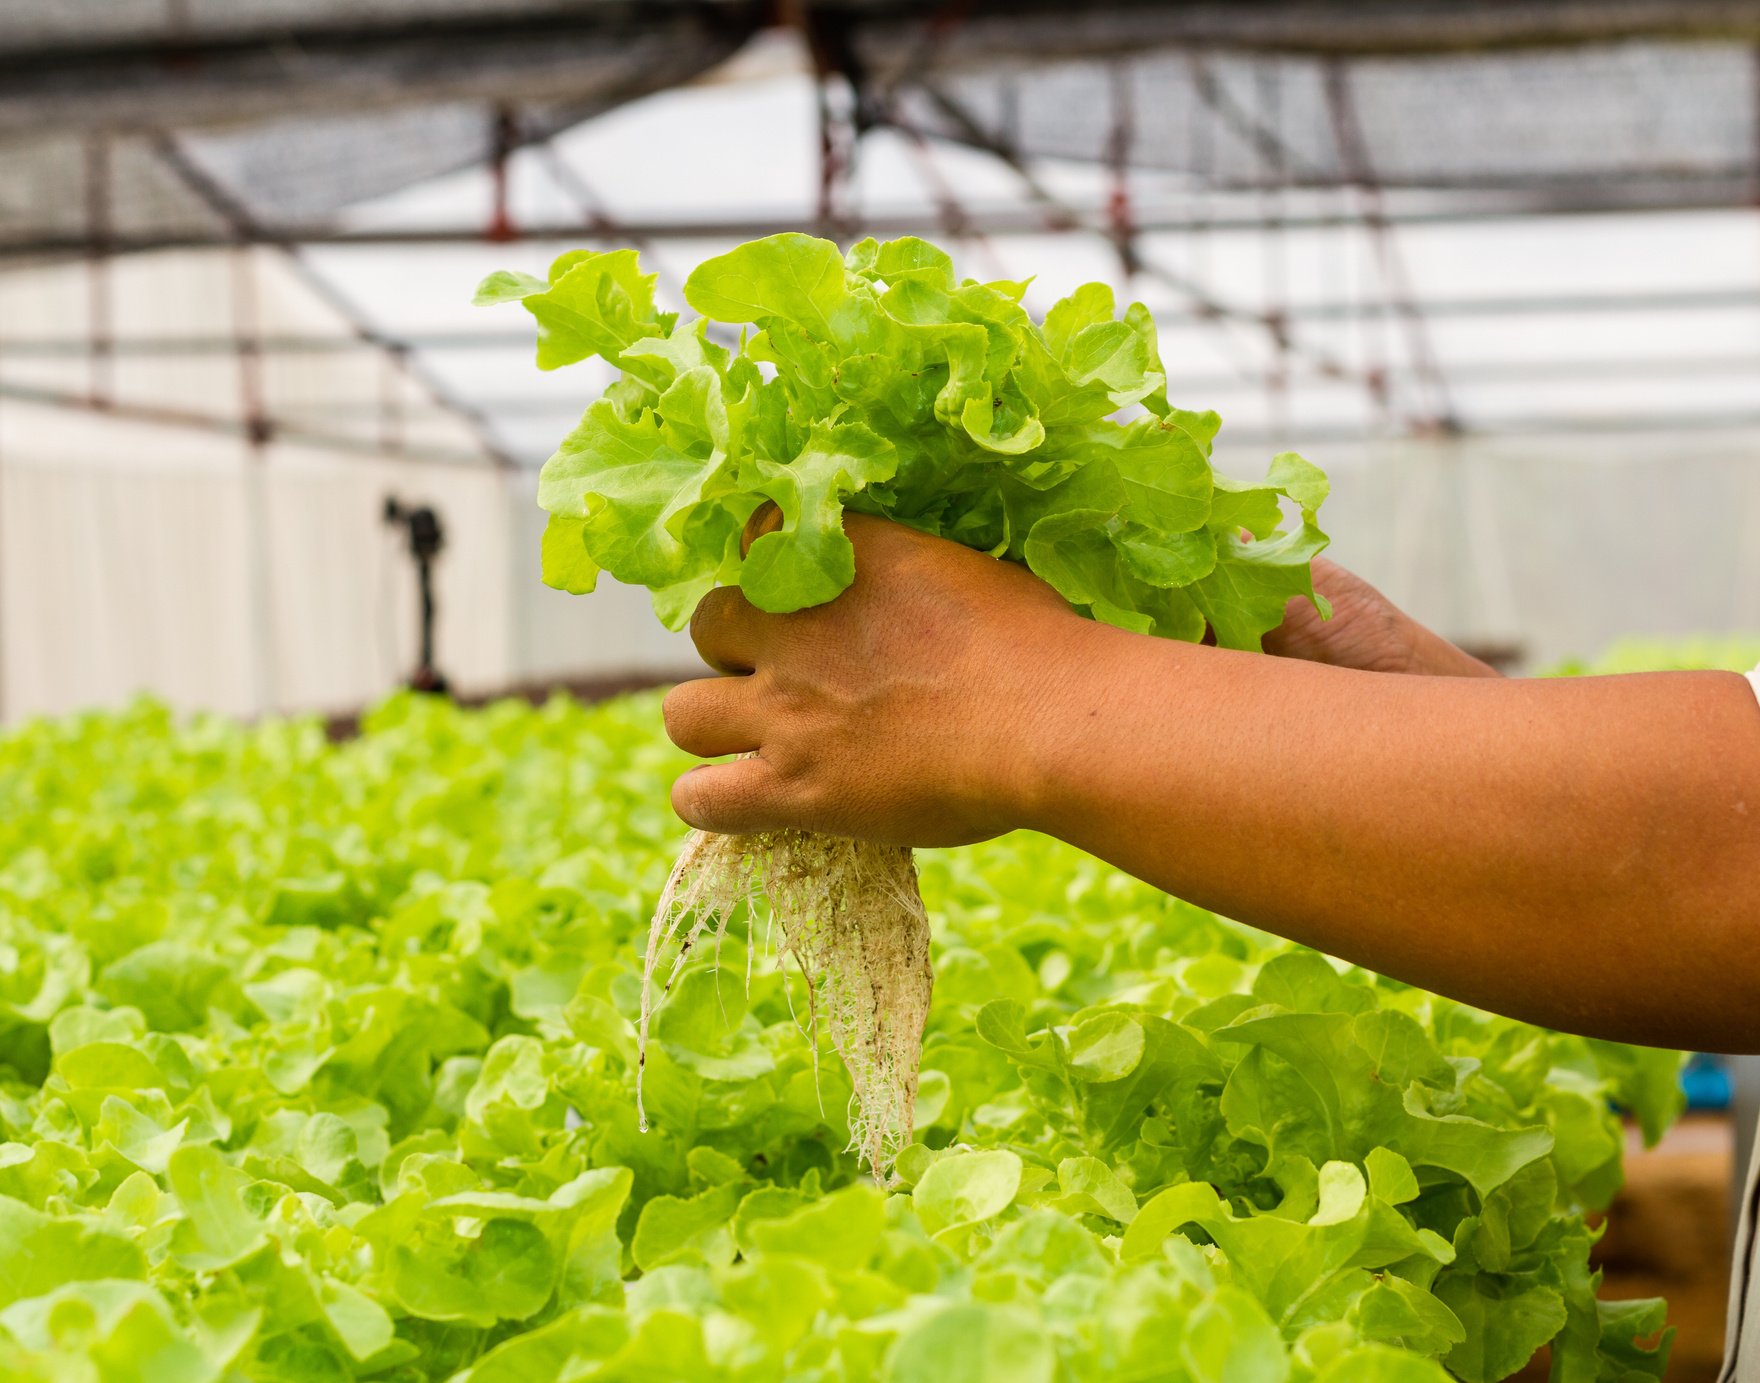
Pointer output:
x,y
766,518
726,627
730,799
712,716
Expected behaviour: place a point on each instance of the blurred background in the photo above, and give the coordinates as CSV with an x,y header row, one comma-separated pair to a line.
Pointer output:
x,y
1496,268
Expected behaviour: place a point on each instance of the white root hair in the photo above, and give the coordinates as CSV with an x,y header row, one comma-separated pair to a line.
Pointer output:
x,y
852,920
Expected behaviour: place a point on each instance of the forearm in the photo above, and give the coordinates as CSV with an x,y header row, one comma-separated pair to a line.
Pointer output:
x,y
1579,852
1583,853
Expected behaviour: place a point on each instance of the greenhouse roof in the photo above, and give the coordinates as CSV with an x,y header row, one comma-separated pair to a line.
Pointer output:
x,y
1278,134
111,114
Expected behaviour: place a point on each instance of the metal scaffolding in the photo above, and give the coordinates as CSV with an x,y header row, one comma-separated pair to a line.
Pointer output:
x,y
1273,120
1271,177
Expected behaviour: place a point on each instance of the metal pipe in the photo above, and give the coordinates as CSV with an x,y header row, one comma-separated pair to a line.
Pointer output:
x,y
1203,385
468,339
243,227
1510,203
100,318
280,430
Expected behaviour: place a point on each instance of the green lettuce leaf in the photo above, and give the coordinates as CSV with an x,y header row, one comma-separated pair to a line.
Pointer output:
x,y
319,1063
881,382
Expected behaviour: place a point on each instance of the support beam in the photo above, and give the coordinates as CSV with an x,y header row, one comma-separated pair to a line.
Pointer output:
x,y
247,232
1466,207
280,431
603,54
999,30
1732,299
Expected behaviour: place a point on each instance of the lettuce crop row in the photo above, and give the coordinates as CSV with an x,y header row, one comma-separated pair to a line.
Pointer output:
x,y
319,1065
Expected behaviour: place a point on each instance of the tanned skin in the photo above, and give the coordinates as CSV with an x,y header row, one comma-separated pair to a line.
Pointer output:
x,y
1578,852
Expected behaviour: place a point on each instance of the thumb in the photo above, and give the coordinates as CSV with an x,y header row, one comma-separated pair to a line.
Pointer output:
x,y
734,798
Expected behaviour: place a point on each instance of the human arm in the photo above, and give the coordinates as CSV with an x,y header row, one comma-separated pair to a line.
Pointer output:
x,y
1577,852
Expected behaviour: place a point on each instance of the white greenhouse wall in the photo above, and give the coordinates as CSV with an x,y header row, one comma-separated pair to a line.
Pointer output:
x,y
143,553
1556,544
131,560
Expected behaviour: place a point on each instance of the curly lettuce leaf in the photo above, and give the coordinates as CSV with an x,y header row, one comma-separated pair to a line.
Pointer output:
x,y
952,410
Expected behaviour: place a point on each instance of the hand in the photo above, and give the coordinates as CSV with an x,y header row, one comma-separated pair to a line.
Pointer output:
x,y
902,711
1367,631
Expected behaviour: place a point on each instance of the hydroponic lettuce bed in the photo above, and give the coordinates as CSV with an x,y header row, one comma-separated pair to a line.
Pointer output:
x,y
318,1065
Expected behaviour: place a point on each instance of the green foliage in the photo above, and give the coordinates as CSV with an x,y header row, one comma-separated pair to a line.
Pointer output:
x,y
318,1064
880,382
1725,652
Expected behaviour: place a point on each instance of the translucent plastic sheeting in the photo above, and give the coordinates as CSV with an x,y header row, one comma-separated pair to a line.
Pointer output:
x,y
289,110
1553,545
141,559
1681,113
128,561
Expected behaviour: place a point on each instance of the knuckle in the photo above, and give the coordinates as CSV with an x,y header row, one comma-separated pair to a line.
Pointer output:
x,y
787,765
785,699
811,796
806,778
